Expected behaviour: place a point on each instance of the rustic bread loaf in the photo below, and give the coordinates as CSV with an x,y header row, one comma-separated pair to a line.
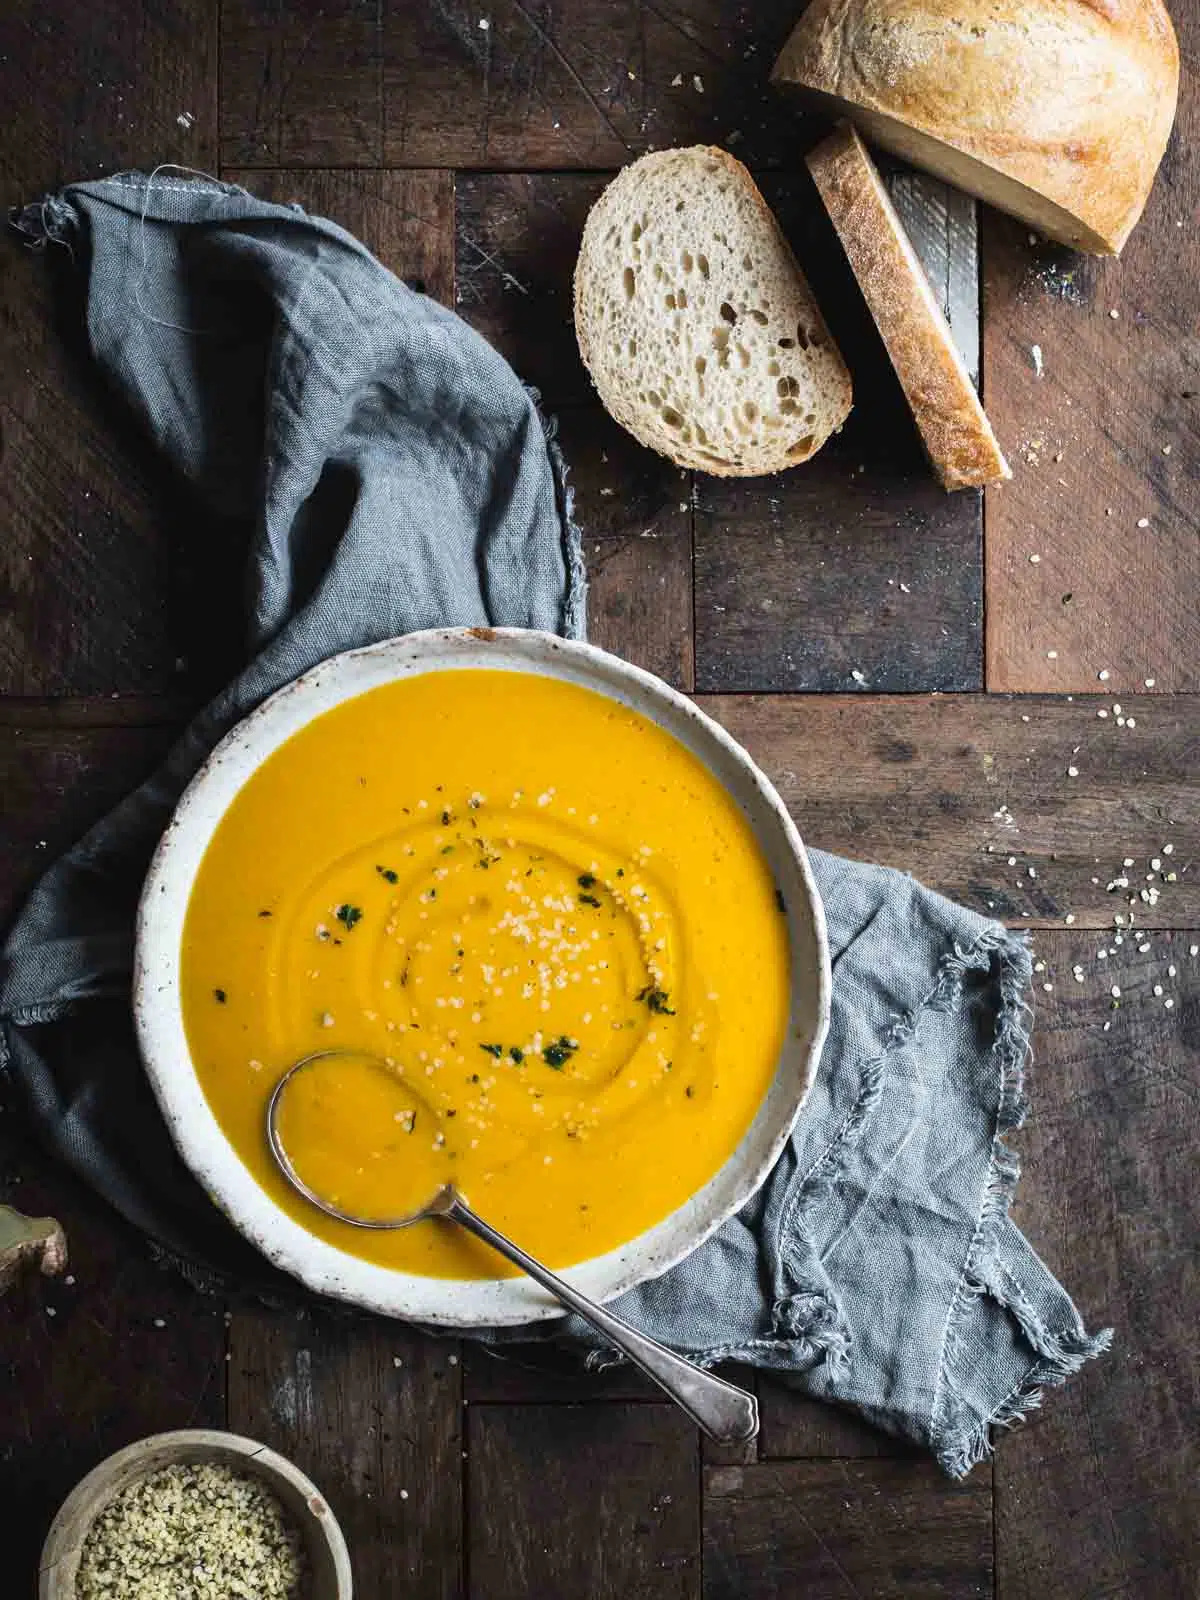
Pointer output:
x,y
936,383
697,326
1055,110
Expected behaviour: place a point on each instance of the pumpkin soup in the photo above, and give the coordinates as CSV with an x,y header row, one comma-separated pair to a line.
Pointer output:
x,y
544,935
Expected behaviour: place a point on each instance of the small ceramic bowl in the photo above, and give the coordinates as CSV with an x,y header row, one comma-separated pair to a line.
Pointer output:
x,y
328,1559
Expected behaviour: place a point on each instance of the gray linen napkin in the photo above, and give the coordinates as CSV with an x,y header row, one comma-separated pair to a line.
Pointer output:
x,y
268,353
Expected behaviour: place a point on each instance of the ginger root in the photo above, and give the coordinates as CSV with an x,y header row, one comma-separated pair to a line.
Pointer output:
x,y
29,1241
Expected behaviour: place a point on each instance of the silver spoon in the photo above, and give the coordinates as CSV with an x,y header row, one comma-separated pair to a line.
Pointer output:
x,y
721,1410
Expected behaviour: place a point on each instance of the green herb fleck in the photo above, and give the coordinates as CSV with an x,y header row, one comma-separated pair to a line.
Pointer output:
x,y
220,996
690,1092
557,1055
586,880
517,1054
620,872
496,1050
445,819
386,872
264,913
446,849
348,915
657,1000
589,900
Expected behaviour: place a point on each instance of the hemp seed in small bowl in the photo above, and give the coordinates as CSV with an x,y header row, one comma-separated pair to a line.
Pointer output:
x,y
199,1531
195,1515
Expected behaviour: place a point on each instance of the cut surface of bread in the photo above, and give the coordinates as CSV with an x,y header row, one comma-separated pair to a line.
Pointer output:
x,y
955,431
1057,111
699,329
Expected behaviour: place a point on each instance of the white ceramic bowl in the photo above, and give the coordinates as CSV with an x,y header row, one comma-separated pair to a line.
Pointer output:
x,y
328,1559
159,1016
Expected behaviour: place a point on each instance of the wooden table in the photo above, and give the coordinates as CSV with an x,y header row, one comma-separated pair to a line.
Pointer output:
x,y
917,672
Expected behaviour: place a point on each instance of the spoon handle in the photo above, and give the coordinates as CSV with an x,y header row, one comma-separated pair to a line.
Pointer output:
x,y
721,1410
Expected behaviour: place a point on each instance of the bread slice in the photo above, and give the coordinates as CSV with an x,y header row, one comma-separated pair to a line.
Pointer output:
x,y
937,385
1055,110
699,330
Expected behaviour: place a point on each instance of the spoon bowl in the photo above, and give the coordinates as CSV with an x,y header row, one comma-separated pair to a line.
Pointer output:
x,y
724,1412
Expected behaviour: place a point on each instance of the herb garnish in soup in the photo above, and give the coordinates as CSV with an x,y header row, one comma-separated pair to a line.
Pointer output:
x,y
545,935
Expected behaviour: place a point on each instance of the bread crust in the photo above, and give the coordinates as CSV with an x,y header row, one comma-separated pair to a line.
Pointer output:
x,y
1071,101
763,453
954,428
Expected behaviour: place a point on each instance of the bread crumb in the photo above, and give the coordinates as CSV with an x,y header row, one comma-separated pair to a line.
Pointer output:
x,y
1039,365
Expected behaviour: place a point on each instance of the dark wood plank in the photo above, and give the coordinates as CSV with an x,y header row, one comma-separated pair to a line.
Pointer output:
x,y
851,573
857,562
122,1347
1096,1496
503,85
583,1500
98,88
405,218
969,796
794,1426
56,782
89,527
634,511
890,1530
371,1411
116,1349
1089,442
544,1376
517,237
302,86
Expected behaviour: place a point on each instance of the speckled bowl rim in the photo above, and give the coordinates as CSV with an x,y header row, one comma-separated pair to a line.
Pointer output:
x,y
58,1563
325,1269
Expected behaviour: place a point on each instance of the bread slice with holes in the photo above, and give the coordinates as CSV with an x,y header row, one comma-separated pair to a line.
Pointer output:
x,y
699,329
954,428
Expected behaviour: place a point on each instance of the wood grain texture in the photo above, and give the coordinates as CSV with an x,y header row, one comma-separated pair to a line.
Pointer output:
x,y
890,1530
592,1500
635,515
404,218
796,1427
301,85
371,1411
506,85
517,239
798,577
1096,1496
967,795
545,1375
90,596
1087,442
56,782
115,1349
